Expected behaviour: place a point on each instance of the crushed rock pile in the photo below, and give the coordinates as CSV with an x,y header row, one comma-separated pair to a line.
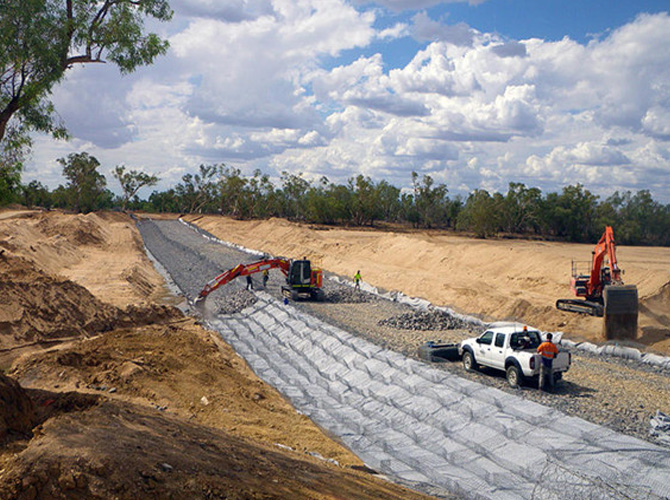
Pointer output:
x,y
432,319
346,295
232,303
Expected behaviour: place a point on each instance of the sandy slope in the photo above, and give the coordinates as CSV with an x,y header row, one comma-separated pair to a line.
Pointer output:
x,y
494,279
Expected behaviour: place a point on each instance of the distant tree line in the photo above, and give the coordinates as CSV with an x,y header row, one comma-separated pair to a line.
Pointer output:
x,y
574,214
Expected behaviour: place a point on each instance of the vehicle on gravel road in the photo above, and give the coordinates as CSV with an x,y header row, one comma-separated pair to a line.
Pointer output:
x,y
511,347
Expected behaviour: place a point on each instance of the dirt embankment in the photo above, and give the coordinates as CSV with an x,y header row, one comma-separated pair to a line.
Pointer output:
x,y
493,279
122,398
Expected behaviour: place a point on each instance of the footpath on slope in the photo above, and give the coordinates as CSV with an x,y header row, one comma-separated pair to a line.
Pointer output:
x,y
421,424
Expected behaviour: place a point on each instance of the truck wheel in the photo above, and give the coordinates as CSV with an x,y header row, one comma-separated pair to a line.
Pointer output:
x,y
514,376
469,362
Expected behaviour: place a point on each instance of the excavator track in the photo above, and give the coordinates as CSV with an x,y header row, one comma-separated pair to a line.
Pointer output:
x,y
581,306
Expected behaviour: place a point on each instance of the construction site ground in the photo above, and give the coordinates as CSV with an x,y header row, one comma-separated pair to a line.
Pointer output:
x,y
615,392
132,399
122,396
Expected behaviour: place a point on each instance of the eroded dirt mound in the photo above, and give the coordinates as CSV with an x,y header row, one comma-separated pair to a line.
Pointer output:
x,y
77,229
125,451
17,413
37,306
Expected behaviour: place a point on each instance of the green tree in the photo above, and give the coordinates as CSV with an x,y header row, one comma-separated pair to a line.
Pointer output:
x,y
198,193
41,39
13,150
365,203
430,201
571,214
86,186
35,194
132,181
294,191
480,213
164,201
520,209
388,197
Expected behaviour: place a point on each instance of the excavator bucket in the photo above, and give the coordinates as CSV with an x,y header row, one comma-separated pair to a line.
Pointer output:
x,y
621,308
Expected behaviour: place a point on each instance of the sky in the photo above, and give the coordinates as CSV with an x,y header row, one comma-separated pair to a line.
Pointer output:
x,y
476,94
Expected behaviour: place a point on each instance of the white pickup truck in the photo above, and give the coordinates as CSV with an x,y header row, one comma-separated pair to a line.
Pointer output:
x,y
507,346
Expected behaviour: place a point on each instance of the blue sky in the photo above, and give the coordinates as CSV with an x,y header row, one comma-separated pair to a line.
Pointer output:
x,y
476,95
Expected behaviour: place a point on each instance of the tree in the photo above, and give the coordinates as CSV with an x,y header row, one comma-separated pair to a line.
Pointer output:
x,y
572,214
365,203
198,192
430,202
13,150
85,190
132,181
480,213
294,191
35,194
41,39
520,208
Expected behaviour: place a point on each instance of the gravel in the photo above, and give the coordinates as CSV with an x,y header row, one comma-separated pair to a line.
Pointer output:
x,y
618,393
425,320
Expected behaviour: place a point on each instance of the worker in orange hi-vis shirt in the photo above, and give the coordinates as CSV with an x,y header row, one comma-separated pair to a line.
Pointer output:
x,y
548,352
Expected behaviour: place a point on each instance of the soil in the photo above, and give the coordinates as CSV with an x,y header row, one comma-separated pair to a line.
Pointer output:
x,y
122,396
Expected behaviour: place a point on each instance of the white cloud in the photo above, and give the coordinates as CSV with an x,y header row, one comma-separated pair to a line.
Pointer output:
x,y
424,29
250,87
415,4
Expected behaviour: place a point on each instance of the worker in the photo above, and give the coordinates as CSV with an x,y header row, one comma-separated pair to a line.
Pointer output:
x,y
266,276
548,351
250,282
357,280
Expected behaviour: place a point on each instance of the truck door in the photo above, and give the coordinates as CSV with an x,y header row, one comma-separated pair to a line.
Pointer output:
x,y
483,354
498,351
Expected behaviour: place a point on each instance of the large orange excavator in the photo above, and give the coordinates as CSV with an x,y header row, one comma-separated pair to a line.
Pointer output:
x,y
302,280
603,291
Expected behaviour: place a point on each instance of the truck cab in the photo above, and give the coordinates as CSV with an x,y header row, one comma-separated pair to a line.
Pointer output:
x,y
512,348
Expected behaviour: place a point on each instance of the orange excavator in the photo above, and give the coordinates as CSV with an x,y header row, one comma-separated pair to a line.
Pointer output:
x,y
302,280
603,290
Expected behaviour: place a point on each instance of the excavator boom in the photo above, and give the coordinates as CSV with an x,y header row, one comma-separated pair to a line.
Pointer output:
x,y
303,281
243,270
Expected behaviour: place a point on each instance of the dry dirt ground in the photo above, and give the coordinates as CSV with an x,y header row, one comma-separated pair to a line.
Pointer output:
x,y
491,279
123,397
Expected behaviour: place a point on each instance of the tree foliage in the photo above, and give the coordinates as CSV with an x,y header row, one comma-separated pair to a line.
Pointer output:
x,y
573,214
132,181
85,190
41,39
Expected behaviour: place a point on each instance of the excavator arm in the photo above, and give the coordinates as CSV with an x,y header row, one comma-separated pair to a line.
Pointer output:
x,y
604,292
243,270
606,247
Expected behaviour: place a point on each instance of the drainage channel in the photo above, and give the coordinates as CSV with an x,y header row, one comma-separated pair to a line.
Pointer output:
x,y
421,426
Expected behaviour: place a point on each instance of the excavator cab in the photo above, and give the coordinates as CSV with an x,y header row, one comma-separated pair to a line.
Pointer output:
x,y
303,281
300,273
